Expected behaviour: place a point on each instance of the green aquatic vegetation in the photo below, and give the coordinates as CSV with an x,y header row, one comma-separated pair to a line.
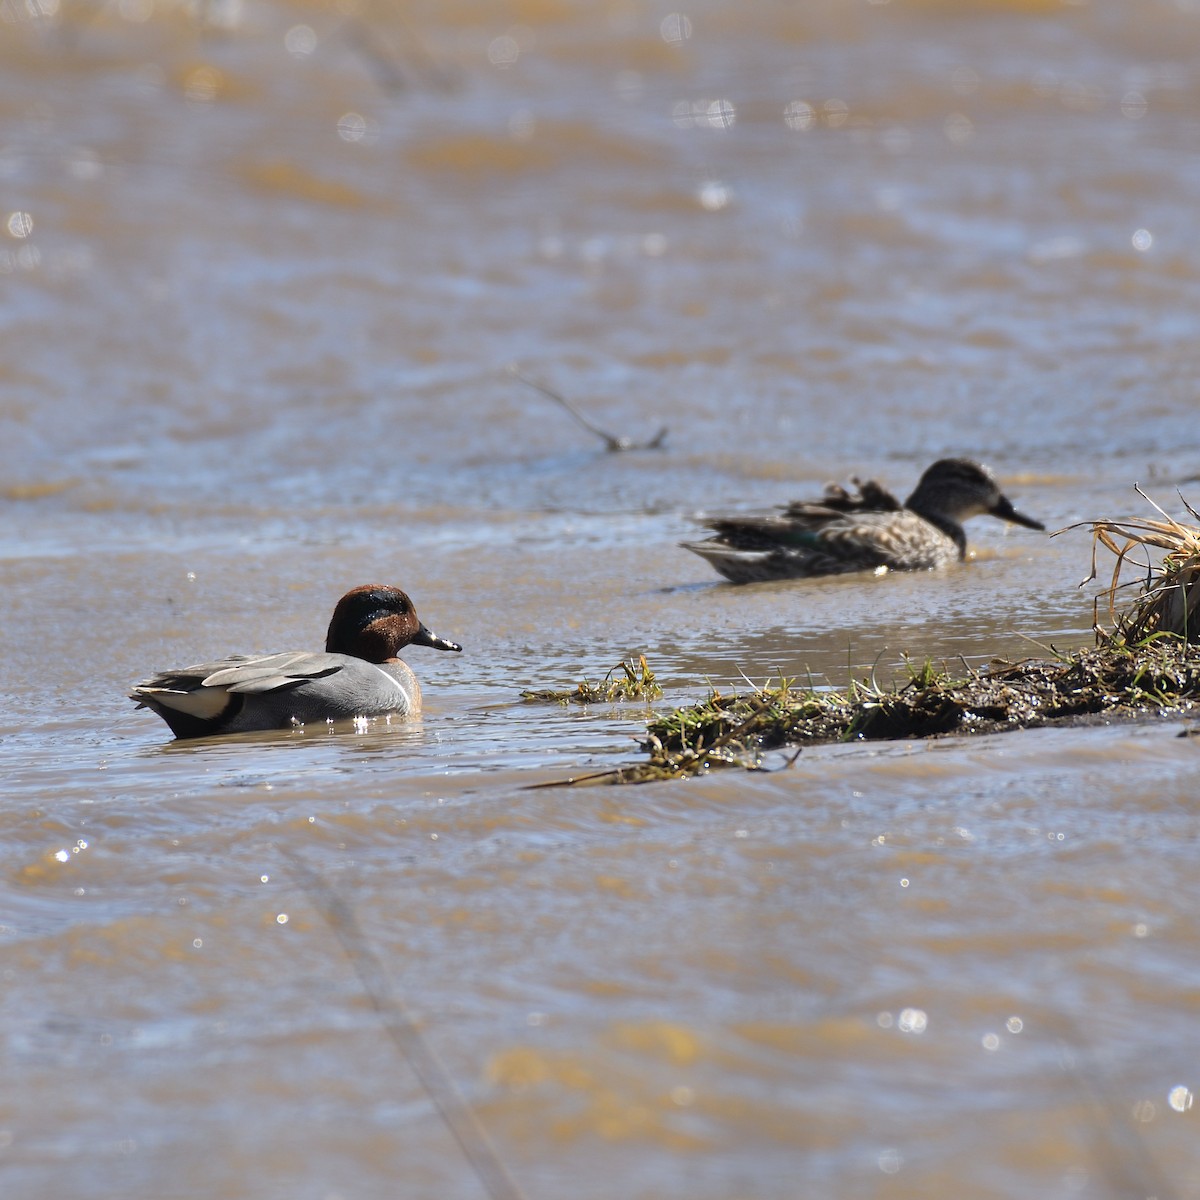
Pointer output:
x,y
1114,680
632,679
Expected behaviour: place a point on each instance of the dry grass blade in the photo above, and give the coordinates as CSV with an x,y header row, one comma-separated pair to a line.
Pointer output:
x,y
403,1030
1169,600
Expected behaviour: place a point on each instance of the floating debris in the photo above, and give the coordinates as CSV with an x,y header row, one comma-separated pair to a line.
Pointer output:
x,y
612,443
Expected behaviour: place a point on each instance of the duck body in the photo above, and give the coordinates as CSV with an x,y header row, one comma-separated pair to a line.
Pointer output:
x,y
867,529
357,675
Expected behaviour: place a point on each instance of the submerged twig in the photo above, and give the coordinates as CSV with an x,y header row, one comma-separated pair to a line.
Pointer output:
x,y
404,1032
613,444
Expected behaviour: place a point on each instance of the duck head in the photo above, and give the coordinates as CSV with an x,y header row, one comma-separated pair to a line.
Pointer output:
x,y
375,622
958,489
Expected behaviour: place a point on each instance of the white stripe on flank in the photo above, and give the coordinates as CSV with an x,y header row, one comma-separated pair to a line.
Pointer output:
x,y
396,684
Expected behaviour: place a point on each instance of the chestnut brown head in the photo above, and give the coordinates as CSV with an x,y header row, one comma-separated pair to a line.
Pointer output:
x,y
375,622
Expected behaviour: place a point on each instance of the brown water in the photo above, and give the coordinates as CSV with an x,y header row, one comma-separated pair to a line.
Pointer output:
x,y
262,271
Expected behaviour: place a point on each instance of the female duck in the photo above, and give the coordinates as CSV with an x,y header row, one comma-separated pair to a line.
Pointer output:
x,y
358,675
864,531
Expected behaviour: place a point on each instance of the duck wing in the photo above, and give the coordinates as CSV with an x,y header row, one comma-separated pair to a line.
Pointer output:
x,y
246,673
270,672
867,496
201,692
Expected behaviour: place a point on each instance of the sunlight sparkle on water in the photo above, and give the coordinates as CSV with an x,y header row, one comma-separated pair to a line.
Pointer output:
x,y
913,1020
799,115
836,112
714,196
521,125
890,1161
1133,106
1180,1098
721,114
300,41
959,128
704,114
675,28
503,51
354,127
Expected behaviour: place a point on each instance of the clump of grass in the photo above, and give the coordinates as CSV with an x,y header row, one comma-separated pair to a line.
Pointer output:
x,y
629,680
734,730
1168,601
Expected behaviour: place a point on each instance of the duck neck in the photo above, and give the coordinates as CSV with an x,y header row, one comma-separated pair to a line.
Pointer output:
x,y
950,527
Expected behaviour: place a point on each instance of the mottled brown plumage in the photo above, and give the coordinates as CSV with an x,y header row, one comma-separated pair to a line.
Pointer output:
x,y
863,530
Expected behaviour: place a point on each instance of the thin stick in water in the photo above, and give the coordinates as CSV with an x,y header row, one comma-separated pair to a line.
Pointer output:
x,y
403,1030
614,445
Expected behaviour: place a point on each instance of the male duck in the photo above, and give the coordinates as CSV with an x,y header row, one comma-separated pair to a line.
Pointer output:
x,y
863,530
358,675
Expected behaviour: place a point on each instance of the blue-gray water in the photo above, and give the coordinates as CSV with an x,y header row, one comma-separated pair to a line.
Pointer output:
x,y
258,304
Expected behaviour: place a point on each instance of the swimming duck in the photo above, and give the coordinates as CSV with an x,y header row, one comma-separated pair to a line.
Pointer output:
x,y
864,530
358,675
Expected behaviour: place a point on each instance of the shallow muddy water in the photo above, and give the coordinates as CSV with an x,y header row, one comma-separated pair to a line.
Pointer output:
x,y
263,271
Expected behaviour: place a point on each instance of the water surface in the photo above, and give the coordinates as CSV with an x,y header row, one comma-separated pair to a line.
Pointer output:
x,y
263,271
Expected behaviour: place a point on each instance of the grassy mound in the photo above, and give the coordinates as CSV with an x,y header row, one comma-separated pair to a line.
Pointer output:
x,y
1147,661
1113,681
